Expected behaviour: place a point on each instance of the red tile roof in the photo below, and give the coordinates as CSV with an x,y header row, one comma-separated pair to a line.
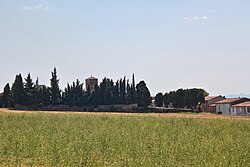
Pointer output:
x,y
207,98
228,101
91,77
212,105
245,104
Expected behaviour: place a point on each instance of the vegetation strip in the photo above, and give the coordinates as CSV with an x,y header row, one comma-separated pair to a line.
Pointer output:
x,y
43,139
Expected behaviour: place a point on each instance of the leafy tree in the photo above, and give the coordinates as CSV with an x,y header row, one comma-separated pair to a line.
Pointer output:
x,y
6,96
159,100
55,93
201,98
179,98
166,99
17,91
143,94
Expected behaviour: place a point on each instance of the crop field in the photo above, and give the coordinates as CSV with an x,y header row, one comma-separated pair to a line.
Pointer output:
x,y
70,139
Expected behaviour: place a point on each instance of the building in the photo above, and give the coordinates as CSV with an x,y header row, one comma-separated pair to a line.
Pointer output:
x,y
209,105
91,83
224,106
241,109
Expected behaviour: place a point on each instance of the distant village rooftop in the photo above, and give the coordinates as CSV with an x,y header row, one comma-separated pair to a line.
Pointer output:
x,y
91,77
244,104
230,100
208,98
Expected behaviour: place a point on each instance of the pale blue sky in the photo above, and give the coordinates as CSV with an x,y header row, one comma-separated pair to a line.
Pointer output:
x,y
169,44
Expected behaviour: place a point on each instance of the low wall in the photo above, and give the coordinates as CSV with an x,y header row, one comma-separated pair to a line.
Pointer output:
x,y
107,108
117,107
131,108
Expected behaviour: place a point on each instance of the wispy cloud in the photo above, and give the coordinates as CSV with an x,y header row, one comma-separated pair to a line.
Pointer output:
x,y
196,18
35,8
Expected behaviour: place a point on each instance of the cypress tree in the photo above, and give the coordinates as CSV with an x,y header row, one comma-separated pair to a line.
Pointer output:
x,y
43,95
116,93
17,91
55,95
6,96
129,98
29,85
133,92
29,88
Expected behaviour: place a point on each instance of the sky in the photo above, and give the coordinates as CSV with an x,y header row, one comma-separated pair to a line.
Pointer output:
x,y
168,44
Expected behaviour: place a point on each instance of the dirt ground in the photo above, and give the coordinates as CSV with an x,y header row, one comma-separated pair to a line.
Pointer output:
x,y
185,115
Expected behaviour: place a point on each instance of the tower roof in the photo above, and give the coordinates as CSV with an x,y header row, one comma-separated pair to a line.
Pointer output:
x,y
91,77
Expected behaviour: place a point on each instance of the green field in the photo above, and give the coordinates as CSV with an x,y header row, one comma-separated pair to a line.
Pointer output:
x,y
44,139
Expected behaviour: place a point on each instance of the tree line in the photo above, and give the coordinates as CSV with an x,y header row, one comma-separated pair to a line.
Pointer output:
x,y
182,98
26,92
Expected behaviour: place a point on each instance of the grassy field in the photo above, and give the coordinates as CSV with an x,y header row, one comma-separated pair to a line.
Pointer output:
x,y
54,139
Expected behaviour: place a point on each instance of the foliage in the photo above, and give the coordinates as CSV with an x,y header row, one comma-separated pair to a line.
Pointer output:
x,y
40,139
185,98
17,91
143,94
42,95
107,92
166,99
74,94
55,93
5,99
29,91
159,100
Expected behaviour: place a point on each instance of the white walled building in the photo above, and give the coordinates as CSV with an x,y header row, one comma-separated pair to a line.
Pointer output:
x,y
209,105
224,106
241,109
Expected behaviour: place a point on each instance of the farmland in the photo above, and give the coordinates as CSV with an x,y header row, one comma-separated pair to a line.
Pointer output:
x,y
71,139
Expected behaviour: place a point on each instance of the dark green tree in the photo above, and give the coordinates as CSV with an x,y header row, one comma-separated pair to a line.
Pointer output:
x,y
29,84
1,100
133,90
6,96
129,93
29,88
74,95
179,98
116,93
123,91
201,98
166,99
17,91
42,95
143,94
159,100
55,93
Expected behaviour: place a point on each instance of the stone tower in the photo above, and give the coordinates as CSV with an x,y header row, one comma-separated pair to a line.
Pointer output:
x,y
90,83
